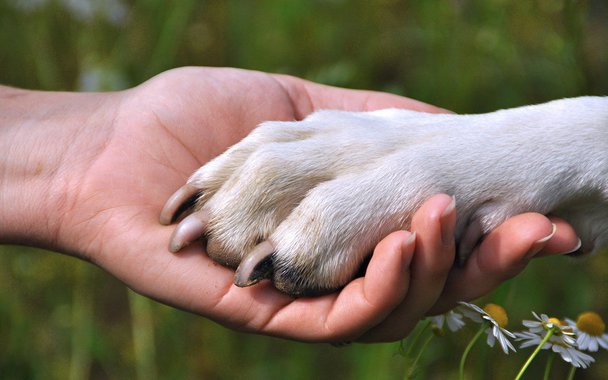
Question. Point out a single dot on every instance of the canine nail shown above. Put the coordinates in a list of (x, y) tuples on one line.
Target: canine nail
[(256, 265), (188, 230), (183, 198)]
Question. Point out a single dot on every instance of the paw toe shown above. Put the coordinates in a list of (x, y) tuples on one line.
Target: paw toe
[(180, 201), (189, 230)]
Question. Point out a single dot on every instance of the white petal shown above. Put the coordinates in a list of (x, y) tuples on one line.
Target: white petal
[(437, 320), (454, 321), (568, 340), (506, 345), (573, 356), (528, 323), (593, 346), (491, 339), (507, 333)]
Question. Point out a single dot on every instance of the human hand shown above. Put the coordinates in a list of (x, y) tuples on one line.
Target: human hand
[(116, 157)]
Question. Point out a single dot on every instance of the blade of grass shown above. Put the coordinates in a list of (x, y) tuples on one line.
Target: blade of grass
[(143, 336), (173, 27), (82, 317)]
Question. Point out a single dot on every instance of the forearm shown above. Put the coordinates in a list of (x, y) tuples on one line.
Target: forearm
[(24, 166), (39, 135)]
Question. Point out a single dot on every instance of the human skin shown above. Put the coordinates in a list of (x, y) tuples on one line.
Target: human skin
[(87, 174)]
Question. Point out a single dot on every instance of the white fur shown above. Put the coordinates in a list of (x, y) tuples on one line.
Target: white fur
[(326, 189)]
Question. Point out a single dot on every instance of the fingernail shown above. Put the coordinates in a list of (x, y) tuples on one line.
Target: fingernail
[(448, 223), (578, 246), (538, 245), (405, 246), (409, 240)]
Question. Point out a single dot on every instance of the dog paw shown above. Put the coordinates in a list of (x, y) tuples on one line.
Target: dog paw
[(304, 203)]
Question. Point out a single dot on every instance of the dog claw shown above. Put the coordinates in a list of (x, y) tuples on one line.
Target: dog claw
[(188, 230), (256, 265), (183, 198)]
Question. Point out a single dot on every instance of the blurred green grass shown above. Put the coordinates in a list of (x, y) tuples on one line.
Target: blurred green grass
[(61, 318)]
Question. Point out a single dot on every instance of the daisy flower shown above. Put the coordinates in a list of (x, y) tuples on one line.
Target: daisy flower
[(493, 319), (563, 333), (496, 318), (568, 353), (452, 319), (551, 333), (590, 331)]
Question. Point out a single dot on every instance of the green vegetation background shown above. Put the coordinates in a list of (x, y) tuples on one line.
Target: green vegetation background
[(61, 318)]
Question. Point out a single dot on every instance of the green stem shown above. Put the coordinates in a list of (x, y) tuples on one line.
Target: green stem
[(571, 373), (533, 355), (548, 366), (410, 345), (465, 354), (410, 372)]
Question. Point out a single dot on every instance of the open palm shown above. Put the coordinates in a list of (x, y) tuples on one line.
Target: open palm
[(163, 130)]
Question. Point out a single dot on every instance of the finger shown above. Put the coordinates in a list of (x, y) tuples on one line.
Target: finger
[(363, 303), (563, 242), (309, 96), (434, 226), (503, 254)]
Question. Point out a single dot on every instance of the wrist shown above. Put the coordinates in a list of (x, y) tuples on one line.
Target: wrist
[(40, 135)]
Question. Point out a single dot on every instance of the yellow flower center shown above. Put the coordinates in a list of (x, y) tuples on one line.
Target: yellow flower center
[(556, 321), (564, 328), (591, 323), (498, 313)]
